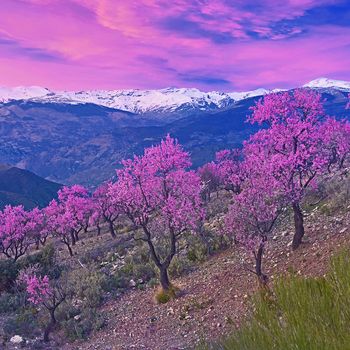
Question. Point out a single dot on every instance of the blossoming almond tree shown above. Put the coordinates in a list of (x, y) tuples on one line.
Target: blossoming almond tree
[(335, 136), (210, 180), (66, 217), (228, 163), (161, 198), (17, 230), (292, 143), (105, 208), (45, 293), (255, 209)]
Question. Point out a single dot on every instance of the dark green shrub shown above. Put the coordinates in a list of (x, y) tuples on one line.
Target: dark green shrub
[(9, 302), (179, 266), (81, 326), (8, 273), (25, 323), (88, 286)]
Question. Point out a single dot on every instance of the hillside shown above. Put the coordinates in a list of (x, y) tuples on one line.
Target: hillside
[(18, 186), (217, 294)]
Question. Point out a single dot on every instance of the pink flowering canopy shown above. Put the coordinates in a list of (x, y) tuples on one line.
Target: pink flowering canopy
[(67, 216), (105, 209), (335, 135), (228, 164), (292, 142), (18, 230), (38, 288), (158, 182), (160, 196)]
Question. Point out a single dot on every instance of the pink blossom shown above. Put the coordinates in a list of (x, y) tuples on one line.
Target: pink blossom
[(38, 288)]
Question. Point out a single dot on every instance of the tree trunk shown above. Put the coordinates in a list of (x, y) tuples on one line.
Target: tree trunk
[(73, 237), (299, 226), (164, 278), (98, 229), (69, 247), (50, 326), (258, 266), (111, 228)]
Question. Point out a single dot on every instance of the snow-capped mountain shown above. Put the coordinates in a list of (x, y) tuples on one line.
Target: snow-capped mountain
[(169, 100), (23, 93), (135, 101), (329, 83)]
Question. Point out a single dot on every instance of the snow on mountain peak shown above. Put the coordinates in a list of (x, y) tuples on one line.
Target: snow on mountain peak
[(170, 99), (22, 93), (328, 83)]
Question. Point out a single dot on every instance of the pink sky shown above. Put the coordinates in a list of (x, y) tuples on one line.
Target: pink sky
[(209, 44)]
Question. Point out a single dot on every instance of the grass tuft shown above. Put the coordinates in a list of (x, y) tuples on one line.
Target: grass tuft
[(304, 314), (163, 296)]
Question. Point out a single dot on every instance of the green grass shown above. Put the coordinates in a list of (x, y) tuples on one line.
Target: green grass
[(302, 314)]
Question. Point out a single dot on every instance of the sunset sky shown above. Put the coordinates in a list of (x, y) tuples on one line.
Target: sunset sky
[(209, 44)]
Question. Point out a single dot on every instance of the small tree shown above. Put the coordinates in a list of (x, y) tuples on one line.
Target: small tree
[(45, 293), (105, 207), (210, 180), (335, 136), (66, 217), (254, 211), (160, 197), (228, 163), (17, 230), (38, 226)]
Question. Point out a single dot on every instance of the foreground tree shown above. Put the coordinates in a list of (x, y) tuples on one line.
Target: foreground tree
[(292, 143), (161, 197)]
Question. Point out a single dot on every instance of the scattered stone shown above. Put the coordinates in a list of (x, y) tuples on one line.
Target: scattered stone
[(132, 283), (16, 339)]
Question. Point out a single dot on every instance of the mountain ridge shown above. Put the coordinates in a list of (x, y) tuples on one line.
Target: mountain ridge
[(85, 142), (138, 101)]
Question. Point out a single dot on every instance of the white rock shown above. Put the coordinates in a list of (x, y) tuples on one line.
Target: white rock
[(16, 339), (132, 283)]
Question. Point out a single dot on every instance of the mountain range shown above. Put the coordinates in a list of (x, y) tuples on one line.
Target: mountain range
[(80, 137)]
